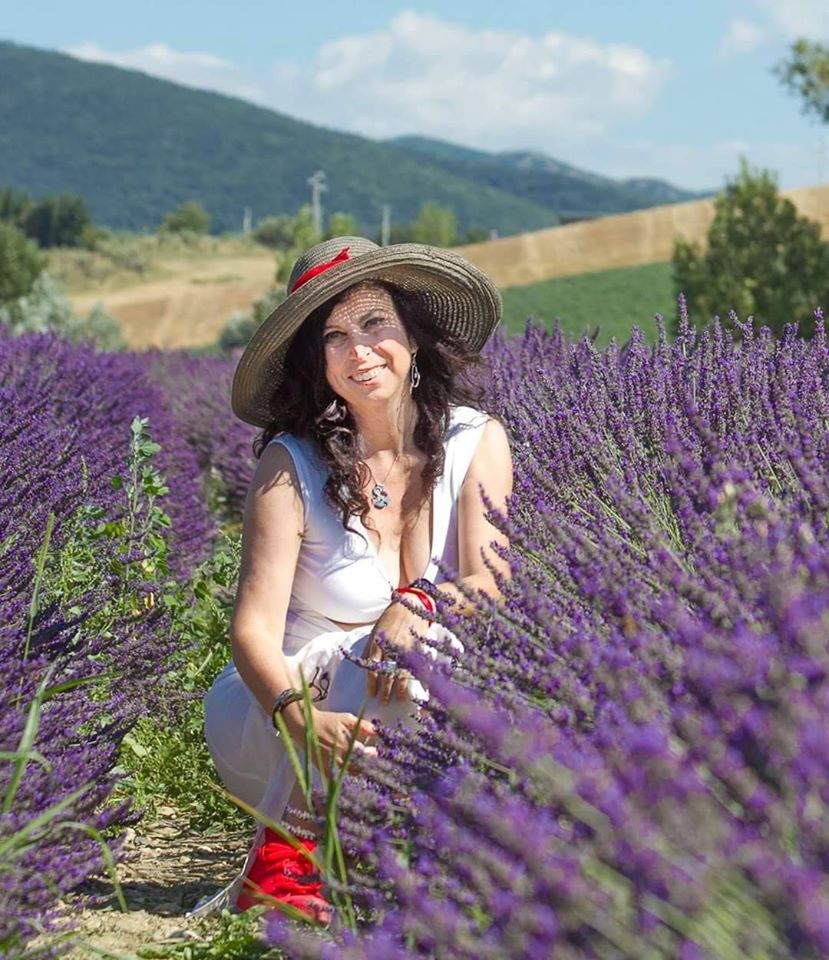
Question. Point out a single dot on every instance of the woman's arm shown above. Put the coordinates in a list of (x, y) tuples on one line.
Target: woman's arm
[(491, 468), (271, 537)]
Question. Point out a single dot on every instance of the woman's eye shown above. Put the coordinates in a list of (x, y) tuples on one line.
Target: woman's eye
[(330, 336), (373, 321)]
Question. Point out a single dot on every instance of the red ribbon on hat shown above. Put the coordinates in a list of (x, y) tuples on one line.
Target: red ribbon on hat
[(319, 268)]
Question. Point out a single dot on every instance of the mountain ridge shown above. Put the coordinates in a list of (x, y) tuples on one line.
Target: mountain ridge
[(136, 146)]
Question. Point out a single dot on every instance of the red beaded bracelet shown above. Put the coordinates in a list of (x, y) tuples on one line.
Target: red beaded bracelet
[(428, 603)]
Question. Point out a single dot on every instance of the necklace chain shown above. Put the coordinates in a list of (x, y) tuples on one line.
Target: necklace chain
[(379, 495)]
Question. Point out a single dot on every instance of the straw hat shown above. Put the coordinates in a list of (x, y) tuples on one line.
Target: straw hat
[(457, 297)]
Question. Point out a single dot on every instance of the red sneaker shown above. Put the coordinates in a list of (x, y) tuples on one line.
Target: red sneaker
[(280, 872)]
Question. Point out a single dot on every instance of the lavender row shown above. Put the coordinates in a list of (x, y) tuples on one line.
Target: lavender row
[(83, 647), (632, 756)]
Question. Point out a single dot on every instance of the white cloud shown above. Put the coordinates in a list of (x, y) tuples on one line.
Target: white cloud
[(424, 74), (742, 36), (798, 18), (487, 88), (565, 95), (191, 68)]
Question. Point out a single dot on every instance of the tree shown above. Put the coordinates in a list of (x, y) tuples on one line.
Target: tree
[(289, 234), (341, 225), (762, 260), (435, 225), (57, 221), (476, 235), (14, 205), (275, 232), (188, 217), (806, 74), (304, 236), (21, 263)]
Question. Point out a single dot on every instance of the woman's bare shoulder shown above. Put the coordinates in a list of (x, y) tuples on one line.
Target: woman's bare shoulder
[(276, 486)]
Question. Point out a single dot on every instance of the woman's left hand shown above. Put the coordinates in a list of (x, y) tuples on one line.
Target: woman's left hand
[(396, 624)]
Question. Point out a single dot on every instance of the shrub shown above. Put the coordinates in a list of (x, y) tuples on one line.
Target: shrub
[(435, 225), (85, 634), (341, 225), (196, 392), (14, 205), (762, 259), (58, 221), (631, 757), (276, 232), (46, 308), (20, 264), (241, 326), (189, 217)]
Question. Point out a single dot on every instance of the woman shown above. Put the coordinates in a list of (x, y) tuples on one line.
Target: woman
[(371, 464)]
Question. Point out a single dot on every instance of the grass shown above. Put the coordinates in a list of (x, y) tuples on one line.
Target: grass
[(613, 300)]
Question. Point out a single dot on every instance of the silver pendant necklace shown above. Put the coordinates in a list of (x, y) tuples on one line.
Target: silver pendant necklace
[(379, 495)]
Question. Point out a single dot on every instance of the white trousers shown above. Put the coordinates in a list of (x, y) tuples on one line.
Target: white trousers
[(248, 753)]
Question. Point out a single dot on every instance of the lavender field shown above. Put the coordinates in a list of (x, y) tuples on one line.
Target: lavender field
[(631, 758)]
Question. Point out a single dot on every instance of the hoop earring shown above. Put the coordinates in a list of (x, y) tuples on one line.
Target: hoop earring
[(414, 374)]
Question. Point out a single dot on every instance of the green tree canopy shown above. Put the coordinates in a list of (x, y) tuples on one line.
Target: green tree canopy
[(20, 264), (14, 205), (275, 232), (188, 217), (762, 258), (341, 225), (435, 225), (805, 73), (61, 220), (304, 235)]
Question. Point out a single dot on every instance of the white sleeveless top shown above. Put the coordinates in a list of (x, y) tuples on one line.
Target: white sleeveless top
[(339, 576)]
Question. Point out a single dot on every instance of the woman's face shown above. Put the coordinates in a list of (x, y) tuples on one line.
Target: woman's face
[(367, 350)]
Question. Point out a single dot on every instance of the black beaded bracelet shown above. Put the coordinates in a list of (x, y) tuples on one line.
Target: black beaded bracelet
[(426, 586), (283, 700)]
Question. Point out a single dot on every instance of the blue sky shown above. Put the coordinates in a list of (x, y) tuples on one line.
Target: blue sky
[(634, 88)]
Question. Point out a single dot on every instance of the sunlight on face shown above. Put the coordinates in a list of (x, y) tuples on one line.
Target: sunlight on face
[(367, 349)]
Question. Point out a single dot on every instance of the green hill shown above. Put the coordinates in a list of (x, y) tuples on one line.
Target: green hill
[(135, 147), (543, 180)]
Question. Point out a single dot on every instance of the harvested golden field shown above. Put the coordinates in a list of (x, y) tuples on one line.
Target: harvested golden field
[(190, 305), (191, 301), (625, 240)]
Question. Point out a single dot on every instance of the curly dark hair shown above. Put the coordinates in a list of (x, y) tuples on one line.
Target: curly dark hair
[(304, 405)]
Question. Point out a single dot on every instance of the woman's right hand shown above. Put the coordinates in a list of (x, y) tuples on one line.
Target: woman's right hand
[(334, 732)]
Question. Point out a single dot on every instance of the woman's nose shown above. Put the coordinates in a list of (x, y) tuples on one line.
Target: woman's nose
[(358, 348)]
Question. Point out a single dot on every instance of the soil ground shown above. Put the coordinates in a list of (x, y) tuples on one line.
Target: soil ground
[(169, 868)]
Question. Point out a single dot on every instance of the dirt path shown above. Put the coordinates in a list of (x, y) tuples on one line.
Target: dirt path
[(171, 869), (188, 308)]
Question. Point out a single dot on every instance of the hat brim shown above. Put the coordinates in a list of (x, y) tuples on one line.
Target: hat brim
[(459, 298)]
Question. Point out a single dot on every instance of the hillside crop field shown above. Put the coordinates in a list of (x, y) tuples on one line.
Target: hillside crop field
[(614, 301), (629, 758), (172, 296)]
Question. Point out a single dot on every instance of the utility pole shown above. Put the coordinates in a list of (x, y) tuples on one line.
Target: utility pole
[(317, 185), (385, 226)]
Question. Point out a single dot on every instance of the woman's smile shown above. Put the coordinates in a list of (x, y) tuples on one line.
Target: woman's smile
[(366, 377), (367, 350)]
